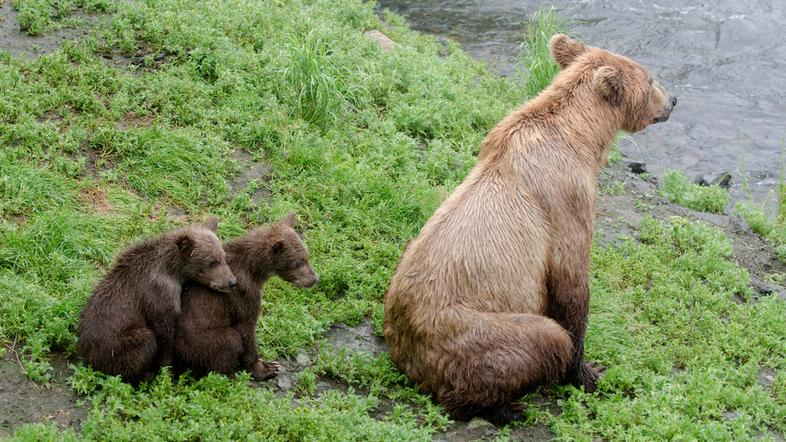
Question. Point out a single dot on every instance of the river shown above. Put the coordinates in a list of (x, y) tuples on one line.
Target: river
[(725, 61)]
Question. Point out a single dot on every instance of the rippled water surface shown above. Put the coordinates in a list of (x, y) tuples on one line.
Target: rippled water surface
[(725, 61)]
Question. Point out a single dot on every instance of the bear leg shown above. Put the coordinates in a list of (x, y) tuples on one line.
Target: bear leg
[(499, 358)]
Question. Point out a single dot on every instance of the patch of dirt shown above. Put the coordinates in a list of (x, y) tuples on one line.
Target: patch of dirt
[(620, 213), (251, 171), (23, 402), (143, 60), (132, 121), (96, 198), (20, 44), (356, 339)]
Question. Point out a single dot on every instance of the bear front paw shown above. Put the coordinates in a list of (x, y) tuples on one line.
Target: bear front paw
[(265, 370)]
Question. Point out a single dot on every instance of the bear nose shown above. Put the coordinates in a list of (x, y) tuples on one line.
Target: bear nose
[(232, 282), (673, 101)]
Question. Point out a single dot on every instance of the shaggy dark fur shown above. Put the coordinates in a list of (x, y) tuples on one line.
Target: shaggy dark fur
[(127, 327), (217, 331)]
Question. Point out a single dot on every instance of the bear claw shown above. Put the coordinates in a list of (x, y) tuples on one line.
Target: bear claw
[(265, 370)]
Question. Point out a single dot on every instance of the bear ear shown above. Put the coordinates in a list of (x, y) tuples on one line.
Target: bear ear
[(609, 83), (565, 50), (289, 220), (212, 224), (184, 244), (278, 247)]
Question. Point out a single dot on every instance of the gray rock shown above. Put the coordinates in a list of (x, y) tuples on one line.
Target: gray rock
[(385, 43)]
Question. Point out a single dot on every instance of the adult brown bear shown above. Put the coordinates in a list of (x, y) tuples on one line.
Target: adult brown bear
[(492, 298)]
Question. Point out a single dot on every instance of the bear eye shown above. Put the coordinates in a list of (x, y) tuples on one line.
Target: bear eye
[(652, 80), (214, 263)]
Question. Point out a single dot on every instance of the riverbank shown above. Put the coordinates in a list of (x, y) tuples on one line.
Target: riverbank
[(160, 117)]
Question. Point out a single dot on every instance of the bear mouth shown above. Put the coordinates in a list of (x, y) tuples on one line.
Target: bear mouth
[(221, 288)]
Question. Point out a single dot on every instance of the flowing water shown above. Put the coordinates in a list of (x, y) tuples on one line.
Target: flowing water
[(724, 59)]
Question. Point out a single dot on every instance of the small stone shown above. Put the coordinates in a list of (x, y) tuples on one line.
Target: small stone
[(385, 43), (323, 386), (729, 415), (479, 423), (284, 382), (701, 180), (303, 359), (637, 168)]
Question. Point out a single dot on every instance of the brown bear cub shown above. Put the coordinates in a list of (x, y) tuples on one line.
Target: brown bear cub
[(127, 327), (217, 331), (491, 299)]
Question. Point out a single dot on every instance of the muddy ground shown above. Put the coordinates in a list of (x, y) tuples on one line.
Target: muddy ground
[(22, 45)]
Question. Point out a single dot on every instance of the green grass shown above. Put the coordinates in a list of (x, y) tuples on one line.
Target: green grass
[(679, 190), (535, 59), (364, 145)]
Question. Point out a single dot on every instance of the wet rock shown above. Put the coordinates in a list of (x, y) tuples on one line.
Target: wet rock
[(722, 180), (637, 168), (385, 43), (763, 288), (356, 339), (701, 180)]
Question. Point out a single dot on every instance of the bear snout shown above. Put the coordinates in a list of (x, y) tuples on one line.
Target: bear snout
[(224, 286), (309, 280), (665, 113)]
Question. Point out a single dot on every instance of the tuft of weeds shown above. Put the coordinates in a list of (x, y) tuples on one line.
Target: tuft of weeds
[(316, 98), (535, 57), (770, 226), (679, 190)]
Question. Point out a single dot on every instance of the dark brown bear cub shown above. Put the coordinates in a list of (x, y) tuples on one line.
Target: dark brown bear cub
[(127, 327), (217, 331)]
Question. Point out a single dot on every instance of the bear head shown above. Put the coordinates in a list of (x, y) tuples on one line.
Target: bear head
[(202, 258), (289, 254), (619, 81)]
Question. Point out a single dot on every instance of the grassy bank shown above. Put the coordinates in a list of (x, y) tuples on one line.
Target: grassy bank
[(176, 110)]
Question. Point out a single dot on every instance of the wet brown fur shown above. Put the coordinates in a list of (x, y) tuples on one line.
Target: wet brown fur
[(217, 331), (127, 327), (491, 299)]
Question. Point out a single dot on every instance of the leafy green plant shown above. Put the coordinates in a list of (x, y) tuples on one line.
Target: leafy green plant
[(535, 57), (679, 190)]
